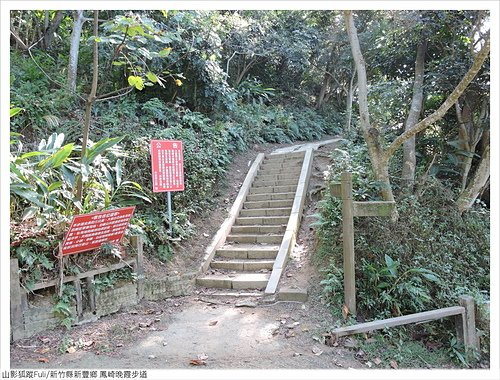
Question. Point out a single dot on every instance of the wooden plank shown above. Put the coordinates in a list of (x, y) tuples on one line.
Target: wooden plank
[(471, 340), (425, 316), (92, 273), (348, 242), (336, 189), (375, 208)]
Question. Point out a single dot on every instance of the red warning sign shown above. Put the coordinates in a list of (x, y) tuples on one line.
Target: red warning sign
[(167, 163), (90, 231)]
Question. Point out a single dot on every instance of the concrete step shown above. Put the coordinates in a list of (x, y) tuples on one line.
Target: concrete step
[(286, 155), (275, 172), (275, 177), (270, 196), (268, 239), (282, 211), (278, 182), (268, 204), (242, 265), (265, 220), (278, 229), (248, 251), (238, 281), (273, 189), (292, 165)]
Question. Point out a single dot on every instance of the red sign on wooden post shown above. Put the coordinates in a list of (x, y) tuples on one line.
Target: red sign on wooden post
[(167, 165), (90, 231)]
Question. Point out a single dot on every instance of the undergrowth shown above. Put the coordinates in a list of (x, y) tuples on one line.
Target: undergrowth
[(424, 261)]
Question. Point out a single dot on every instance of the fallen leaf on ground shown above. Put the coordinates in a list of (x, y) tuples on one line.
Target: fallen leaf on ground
[(71, 350), (377, 361), (289, 334), (393, 364), (197, 362), (42, 350), (316, 351), (212, 323), (43, 360), (44, 339)]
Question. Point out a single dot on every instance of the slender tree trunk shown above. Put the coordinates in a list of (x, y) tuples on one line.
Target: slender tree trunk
[(379, 157), (350, 94), (90, 101), (371, 133), (447, 104), (51, 28), (409, 157), (74, 49), (322, 92), (479, 180)]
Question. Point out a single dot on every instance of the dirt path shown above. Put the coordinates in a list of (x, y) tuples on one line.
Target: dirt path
[(174, 332), (214, 332)]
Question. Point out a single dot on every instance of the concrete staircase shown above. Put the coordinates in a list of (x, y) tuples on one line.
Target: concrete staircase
[(246, 257)]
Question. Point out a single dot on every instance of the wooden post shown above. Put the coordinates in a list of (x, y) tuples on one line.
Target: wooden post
[(16, 309), (79, 301), (471, 341), (137, 243), (348, 242), (91, 293)]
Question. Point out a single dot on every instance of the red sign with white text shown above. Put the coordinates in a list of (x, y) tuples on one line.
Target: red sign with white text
[(90, 231), (167, 163)]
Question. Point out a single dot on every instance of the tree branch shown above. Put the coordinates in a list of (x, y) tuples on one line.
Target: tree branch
[(447, 104), (114, 94)]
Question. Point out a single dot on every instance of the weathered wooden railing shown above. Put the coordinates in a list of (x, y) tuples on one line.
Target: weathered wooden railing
[(465, 322), (464, 314)]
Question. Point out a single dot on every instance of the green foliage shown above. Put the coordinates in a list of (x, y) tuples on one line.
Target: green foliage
[(109, 280), (62, 307), (425, 261)]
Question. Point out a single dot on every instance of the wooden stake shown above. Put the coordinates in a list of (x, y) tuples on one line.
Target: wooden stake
[(61, 270), (348, 242)]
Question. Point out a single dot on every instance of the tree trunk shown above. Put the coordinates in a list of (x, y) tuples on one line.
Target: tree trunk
[(468, 196), (378, 157), (447, 104), (371, 133), (90, 101), (322, 92), (51, 28), (350, 95), (74, 49), (409, 157)]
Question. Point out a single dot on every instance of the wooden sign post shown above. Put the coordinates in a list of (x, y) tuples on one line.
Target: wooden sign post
[(350, 209)]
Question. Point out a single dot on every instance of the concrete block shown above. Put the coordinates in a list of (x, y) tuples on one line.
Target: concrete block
[(290, 294), (214, 282), (258, 265), (250, 281)]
